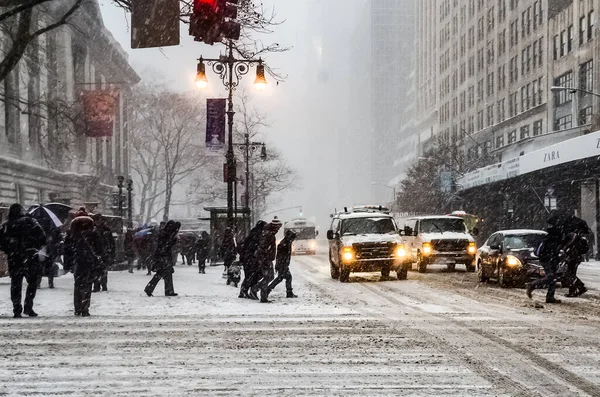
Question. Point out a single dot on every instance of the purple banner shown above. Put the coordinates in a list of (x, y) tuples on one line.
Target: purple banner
[(215, 123)]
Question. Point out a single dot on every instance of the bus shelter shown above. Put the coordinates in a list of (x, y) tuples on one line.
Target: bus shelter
[(218, 221)]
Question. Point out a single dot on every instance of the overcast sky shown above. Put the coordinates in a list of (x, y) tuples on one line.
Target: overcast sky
[(312, 152)]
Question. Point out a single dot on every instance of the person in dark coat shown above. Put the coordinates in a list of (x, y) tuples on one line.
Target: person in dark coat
[(107, 252), (574, 231), (54, 245), (228, 249), (163, 259), (282, 264), (187, 247), (83, 258), (129, 249), (248, 259), (202, 251), (21, 237), (548, 252), (265, 256)]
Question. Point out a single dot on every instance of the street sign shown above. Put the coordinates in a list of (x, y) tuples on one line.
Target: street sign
[(154, 23)]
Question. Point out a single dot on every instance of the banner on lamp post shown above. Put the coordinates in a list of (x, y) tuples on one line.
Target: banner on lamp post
[(215, 124), (100, 109)]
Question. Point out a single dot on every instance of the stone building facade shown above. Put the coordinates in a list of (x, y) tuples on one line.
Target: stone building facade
[(44, 152)]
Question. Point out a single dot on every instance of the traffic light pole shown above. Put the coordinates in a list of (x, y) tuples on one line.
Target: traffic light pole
[(231, 71)]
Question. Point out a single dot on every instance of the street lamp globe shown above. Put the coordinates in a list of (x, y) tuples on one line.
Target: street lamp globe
[(260, 82), (201, 80)]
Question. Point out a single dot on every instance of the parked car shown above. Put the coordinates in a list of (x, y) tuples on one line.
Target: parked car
[(439, 239), (508, 256)]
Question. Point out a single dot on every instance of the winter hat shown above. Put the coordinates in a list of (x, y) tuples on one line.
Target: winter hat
[(276, 223), (81, 212)]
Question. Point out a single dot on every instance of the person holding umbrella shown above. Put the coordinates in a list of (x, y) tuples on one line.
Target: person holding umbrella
[(21, 237), (50, 217), (163, 259)]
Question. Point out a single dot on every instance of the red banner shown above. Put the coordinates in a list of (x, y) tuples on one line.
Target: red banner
[(100, 109)]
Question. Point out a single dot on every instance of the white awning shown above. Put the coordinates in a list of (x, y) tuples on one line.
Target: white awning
[(579, 148)]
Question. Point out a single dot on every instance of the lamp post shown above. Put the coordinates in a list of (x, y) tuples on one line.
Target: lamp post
[(129, 203), (120, 180), (230, 70), (572, 90), (393, 188), (248, 148)]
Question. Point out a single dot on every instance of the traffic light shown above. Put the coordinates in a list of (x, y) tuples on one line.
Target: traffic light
[(213, 20), (230, 29)]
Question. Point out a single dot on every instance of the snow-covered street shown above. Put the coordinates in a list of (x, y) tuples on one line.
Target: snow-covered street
[(437, 334)]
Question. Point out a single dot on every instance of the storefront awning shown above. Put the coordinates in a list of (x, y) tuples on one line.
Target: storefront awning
[(579, 148)]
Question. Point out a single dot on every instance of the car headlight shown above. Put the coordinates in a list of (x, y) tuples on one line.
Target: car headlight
[(427, 249), (348, 254), (313, 245), (400, 251), (513, 261), (472, 249)]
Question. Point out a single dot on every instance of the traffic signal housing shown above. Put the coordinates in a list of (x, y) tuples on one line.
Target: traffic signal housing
[(213, 20)]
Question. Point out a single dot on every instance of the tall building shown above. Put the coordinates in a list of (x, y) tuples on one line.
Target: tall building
[(45, 154), (393, 39), (512, 85), (337, 100)]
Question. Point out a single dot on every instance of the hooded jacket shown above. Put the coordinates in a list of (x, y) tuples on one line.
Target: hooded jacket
[(20, 237), (284, 251)]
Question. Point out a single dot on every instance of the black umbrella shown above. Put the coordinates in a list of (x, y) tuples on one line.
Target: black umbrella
[(60, 210), (45, 217)]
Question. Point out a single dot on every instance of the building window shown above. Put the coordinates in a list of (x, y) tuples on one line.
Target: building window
[(582, 30), (570, 39), (512, 136), (590, 28), (537, 127), (556, 47), (524, 132), (480, 120), (501, 110), (564, 123), (586, 76), (490, 115), (499, 141), (564, 96), (585, 116), (563, 43), (487, 147)]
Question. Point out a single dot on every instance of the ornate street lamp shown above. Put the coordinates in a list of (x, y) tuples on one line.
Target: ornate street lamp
[(230, 70)]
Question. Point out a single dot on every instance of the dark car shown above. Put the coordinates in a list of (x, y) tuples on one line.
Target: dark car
[(508, 256)]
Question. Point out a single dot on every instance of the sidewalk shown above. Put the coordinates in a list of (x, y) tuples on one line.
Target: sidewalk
[(199, 294)]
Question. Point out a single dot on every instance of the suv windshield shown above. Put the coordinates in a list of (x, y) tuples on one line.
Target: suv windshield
[(441, 225), (523, 241), (368, 226)]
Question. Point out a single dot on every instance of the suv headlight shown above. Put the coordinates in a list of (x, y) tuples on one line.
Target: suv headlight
[(513, 261), (427, 249), (400, 251), (472, 249), (348, 254)]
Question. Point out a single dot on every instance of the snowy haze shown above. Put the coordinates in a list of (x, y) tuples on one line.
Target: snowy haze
[(320, 115)]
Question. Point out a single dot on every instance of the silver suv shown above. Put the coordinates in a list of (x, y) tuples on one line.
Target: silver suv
[(366, 240)]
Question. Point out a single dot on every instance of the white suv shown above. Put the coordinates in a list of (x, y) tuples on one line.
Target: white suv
[(366, 240), (439, 239)]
